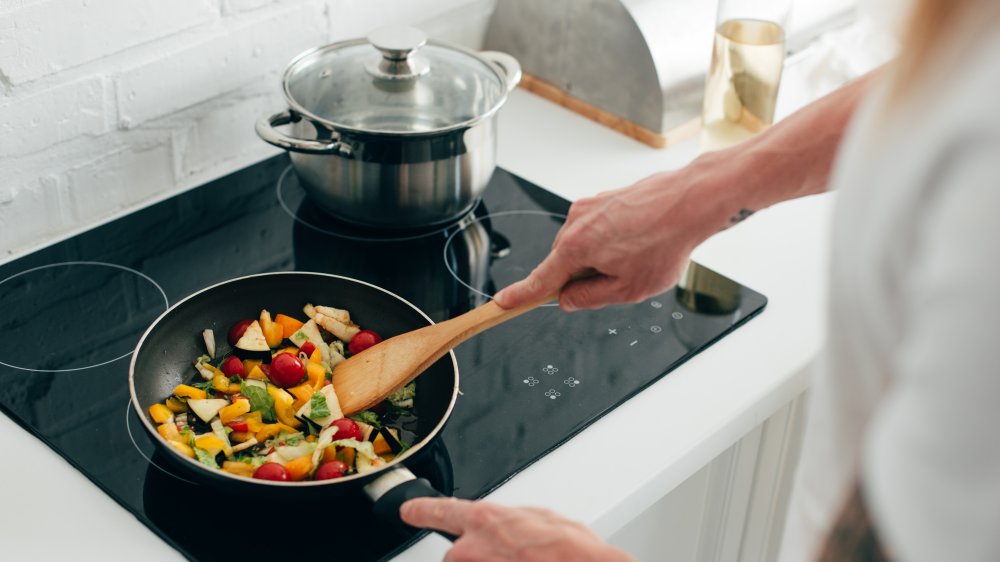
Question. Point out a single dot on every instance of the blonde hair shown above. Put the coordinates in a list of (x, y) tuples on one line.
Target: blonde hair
[(931, 23)]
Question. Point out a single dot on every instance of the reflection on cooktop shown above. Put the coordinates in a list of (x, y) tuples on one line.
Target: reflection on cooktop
[(527, 385)]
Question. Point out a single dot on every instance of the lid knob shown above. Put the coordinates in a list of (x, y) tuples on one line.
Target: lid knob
[(398, 45)]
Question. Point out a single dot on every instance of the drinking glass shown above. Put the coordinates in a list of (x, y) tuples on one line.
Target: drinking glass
[(747, 60)]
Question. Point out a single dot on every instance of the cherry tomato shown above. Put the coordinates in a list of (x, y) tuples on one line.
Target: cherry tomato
[(308, 348), (271, 471), (362, 341), (346, 429), (236, 332), (239, 426), (287, 370), (233, 367), (330, 470)]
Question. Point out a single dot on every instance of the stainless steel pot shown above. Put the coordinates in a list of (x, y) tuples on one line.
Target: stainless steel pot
[(393, 131)]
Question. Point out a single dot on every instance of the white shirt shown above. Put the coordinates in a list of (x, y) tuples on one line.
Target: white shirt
[(907, 399)]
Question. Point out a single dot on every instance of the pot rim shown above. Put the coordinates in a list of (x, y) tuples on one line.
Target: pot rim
[(200, 468), (310, 54)]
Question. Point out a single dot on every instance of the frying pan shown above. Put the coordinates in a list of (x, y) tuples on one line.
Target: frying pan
[(163, 359)]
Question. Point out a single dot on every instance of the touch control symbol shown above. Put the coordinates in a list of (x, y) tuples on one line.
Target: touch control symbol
[(553, 393), (656, 304), (612, 331), (655, 329), (550, 370), (571, 382), (531, 381), (677, 315)]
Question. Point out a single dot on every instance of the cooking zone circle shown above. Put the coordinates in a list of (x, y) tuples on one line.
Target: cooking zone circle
[(72, 316), (291, 195), (131, 436), (519, 241)]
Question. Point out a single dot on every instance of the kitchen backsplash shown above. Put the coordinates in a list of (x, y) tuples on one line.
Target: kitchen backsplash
[(106, 105)]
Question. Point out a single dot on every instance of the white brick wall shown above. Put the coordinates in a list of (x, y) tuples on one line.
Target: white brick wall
[(107, 105)]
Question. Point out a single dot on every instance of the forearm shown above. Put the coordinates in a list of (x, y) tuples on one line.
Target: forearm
[(789, 160)]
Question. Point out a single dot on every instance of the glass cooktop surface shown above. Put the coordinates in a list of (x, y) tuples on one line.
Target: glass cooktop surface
[(526, 386)]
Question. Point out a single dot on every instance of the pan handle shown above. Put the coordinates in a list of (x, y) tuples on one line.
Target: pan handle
[(394, 488), (265, 128)]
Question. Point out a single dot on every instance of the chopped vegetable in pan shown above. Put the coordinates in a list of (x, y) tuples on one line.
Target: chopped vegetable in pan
[(267, 408)]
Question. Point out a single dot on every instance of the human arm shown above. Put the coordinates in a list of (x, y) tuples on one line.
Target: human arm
[(639, 238), (491, 532)]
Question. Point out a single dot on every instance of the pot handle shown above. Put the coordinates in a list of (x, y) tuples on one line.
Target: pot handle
[(508, 65), (265, 128), (394, 488)]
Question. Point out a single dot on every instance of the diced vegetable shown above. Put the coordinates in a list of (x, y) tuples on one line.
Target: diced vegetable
[(185, 391), (238, 408), (253, 344), (205, 457), (238, 329), (168, 431), (286, 370), (175, 405), (210, 443), (283, 406), (342, 331), (238, 468), (273, 333), (362, 341), (302, 394), (299, 468), (316, 375), (323, 408), (272, 471), (160, 413), (207, 408), (245, 445), (289, 325), (182, 448), (209, 336), (220, 431)]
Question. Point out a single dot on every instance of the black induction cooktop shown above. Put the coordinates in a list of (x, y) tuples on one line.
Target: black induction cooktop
[(526, 386)]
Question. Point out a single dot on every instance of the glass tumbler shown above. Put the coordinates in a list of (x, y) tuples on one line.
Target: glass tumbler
[(747, 61)]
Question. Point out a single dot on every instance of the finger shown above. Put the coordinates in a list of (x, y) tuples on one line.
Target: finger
[(547, 278), (591, 293), (443, 514)]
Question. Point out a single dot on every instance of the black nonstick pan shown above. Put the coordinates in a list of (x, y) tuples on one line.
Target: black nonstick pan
[(163, 359)]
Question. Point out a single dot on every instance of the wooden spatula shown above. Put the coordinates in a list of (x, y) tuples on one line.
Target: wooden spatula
[(367, 378)]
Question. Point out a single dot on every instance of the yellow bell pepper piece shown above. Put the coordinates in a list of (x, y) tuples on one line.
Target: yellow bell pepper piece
[(186, 391), (221, 383), (289, 325), (316, 357), (283, 402), (176, 405), (184, 449), (311, 438), (303, 393), (299, 468), (254, 422), (316, 374), (256, 374), (160, 413), (270, 430), (169, 432), (234, 410), (241, 436), (238, 468), (381, 446), (210, 443), (273, 333)]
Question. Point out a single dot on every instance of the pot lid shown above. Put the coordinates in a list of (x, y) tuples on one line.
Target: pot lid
[(396, 81)]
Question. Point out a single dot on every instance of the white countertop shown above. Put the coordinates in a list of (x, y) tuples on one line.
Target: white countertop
[(50, 510)]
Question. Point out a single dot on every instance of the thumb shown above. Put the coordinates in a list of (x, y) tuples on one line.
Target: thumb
[(591, 292), (547, 278)]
